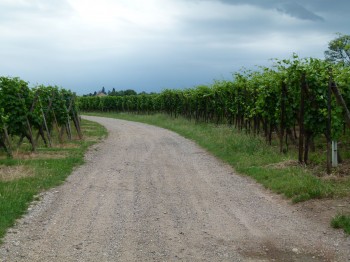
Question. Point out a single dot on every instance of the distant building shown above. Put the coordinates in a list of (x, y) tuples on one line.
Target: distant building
[(100, 94)]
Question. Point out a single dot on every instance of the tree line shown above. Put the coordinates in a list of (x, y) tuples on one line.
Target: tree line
[(114, 92)]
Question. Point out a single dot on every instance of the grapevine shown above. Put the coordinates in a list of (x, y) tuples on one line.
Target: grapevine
[(289, 100), (29, 114)]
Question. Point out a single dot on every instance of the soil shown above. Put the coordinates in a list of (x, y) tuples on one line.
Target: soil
[(147, 194)]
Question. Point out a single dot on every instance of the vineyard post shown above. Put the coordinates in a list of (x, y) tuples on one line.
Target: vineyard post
[(283, 112), (30, 134), (301, 117), (35, 100), (77, 123), (42, 126), (60, 135), (341, 102), (8, 141), (46, 127), (45, 122), (69, 130), (334, 153), (29, 126), (307, 133), (329, 124), (60, 138), (3, 144)]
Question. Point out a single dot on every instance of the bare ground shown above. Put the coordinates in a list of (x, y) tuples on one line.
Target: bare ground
[(147, 194)]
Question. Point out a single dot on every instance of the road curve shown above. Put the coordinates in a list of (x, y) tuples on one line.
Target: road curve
[(147, 194)]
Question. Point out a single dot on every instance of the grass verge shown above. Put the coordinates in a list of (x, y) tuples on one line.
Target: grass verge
[(341, 221), (250, 156), (48, 167)]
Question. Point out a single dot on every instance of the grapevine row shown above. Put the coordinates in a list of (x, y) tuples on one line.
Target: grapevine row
[(33, 113), (290, 100)]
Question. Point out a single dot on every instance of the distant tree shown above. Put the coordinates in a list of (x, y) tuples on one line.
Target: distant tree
[(95, 93), (112, 93), (129, 92), (339, 50), (103, 90)]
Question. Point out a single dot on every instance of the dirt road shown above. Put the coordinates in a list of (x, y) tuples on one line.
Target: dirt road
[(147, 194)]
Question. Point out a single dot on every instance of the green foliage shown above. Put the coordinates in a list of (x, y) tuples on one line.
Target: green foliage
[(339, 50), (22, 109), (16, 99), (341, 221), (53, 101)]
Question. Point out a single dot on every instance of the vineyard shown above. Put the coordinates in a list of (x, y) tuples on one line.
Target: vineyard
[(295, 102), (36, 113)]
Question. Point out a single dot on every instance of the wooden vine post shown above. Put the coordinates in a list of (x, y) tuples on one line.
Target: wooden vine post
[(329, 125), (5, 141), (8, 141), (45, 123), (301, 118), (60, 136), (283, 114), (31, 138), (76, 121), (69, 130), (341, 102)]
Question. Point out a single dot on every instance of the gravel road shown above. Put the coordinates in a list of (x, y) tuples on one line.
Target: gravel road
[(147, 194)]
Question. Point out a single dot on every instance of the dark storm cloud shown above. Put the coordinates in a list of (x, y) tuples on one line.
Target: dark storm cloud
[(298, 11), (292, 8)]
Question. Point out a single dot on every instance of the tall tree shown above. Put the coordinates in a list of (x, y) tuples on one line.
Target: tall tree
[(339, 50)]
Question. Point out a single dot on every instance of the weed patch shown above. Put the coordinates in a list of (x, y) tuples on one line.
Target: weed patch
[(342, 221)]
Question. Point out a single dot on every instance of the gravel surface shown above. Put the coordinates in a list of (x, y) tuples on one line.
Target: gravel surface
[(147, 194)]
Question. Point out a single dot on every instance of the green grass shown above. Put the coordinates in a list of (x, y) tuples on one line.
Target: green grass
[(250, 156), (341, 221), (16, 195)]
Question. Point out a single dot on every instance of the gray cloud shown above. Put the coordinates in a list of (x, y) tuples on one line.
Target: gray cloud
[(175, 43), (296, 10), (291, 8)]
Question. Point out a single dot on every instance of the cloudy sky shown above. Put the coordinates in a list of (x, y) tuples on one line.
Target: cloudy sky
[(150, 45)]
